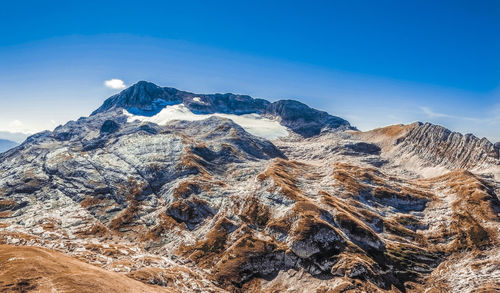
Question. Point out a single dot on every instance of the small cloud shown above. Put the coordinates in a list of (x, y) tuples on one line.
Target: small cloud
[(16, 124), (114, 83), (433, 114)]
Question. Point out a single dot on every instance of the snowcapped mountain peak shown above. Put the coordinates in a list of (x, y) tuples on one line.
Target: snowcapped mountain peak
[(147, 99), (144, 96)]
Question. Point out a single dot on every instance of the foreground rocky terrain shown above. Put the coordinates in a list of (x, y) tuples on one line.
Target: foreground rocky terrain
[(245, 195)]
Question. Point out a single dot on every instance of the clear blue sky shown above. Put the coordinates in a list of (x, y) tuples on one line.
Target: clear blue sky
[(371, 62)]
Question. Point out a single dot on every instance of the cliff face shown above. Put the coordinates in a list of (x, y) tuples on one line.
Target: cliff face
[(204, 205)]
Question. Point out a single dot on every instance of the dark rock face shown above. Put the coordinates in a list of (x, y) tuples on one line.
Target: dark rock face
[(224, 103), (363, 148), (321, 240), (143, 97), (191, 211), (147, 99), (302, 119), (109, 126)]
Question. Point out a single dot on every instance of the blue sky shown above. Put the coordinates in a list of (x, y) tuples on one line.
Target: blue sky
[(374, 63)]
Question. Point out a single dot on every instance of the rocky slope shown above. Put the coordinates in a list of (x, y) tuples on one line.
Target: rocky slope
[(204, 205), (422, 146)]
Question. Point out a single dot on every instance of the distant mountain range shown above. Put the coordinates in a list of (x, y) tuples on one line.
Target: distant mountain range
[(170, 191), (17, 137), (6, 145)]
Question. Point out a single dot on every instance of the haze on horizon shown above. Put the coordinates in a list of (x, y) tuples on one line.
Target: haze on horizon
[(372, 63)]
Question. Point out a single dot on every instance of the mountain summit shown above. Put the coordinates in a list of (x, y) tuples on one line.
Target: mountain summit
[(147, 99), (170, 191)]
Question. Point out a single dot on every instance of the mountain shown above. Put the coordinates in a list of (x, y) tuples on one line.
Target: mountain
[(6, 145), (423, 146), (172, 191), (16, 137), (148, 99)]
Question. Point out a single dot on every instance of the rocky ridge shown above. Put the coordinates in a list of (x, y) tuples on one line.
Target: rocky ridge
[(422, 146), (146, 98)]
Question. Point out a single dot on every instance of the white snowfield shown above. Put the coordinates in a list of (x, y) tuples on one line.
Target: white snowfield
[(253, 123)]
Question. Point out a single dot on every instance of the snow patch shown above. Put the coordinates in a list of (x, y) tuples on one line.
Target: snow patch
[(253, 123)]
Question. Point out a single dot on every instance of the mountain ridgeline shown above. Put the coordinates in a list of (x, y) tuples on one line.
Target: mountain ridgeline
[(148, 99)]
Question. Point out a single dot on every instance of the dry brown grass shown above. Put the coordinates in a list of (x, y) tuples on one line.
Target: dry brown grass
[(285, 176), (205, 252), (6, 207), (356, 179), (185, 188), (7, 204), (474, 204), (94, 230), (255, 213), (245, 250), (170, 277), (194, 163), (111, 250), (360, 180), (126, 216), (165, 224), (37, 269), (24, 239), (385, 136), (491, 287), (90, 202), (6, 214), (394, 131), (202, 183)]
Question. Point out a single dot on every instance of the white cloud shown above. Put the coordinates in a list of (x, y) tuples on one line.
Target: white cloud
[(433, 114), (27, 127), (114, 83), (16, 124)]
